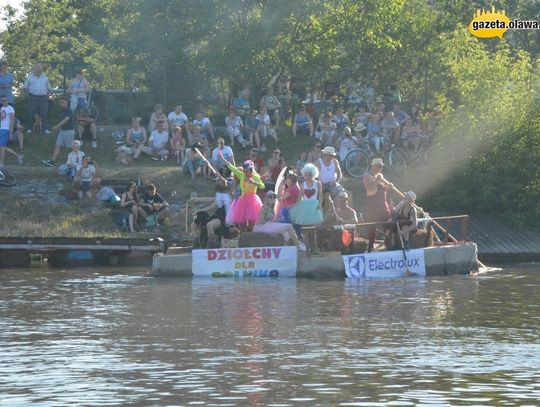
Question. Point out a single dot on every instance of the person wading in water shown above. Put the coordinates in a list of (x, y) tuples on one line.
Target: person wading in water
[(377, 209)]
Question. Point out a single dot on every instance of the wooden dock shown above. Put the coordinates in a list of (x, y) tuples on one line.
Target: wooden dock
[(17, 251), (498, 242)]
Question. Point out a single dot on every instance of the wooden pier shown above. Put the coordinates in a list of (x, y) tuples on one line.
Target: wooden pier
[(16, 251), (497, 242)]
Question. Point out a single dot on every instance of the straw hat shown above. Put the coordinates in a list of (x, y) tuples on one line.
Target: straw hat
[(329, 150), (410, 195), (377, 161)]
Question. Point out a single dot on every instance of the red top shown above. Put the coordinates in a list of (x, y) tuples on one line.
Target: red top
[(293, 191)]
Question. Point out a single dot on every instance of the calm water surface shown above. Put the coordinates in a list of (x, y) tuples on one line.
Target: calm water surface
[(114, 337)]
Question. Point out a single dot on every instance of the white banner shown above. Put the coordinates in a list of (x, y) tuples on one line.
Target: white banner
[(385, 264), (245, 262)]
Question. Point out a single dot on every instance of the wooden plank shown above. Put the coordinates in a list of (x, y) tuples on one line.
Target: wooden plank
[(51, 247)]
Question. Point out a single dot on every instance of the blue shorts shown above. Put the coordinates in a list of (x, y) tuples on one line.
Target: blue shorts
[(4, 136)]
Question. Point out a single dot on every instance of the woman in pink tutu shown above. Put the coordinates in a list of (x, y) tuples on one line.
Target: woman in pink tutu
[(245, 210), (267, 223)]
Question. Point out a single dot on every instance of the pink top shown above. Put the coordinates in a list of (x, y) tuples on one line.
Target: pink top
[(293, 191)]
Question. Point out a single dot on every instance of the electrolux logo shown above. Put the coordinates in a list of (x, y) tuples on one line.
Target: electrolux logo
[(357, 266)]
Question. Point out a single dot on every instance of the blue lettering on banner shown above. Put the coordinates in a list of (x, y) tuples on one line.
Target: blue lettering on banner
[(385, 264), (357, 265)]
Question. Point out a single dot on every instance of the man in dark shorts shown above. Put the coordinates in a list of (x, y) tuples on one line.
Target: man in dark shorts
[(87, 122), (152, 203)]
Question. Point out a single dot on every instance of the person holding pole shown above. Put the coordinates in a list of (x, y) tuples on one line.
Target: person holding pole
[(377, 209), (406, 218)]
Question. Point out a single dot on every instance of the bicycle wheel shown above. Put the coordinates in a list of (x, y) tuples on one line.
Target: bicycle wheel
[(7, 179), (397, 161), (356, 163)]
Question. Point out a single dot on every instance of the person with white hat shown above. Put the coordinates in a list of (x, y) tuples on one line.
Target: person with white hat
[(329, 171), (377, 209), (406, 217), (343, 210)]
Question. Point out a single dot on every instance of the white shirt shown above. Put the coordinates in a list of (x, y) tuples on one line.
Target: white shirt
[(177, 119), (158, 140), (37, 85), (205, 121), (235, 122), (5, 116), (346, 145), (87, 173), (226, 151), (327, 173), (263, 120), (74, 159)]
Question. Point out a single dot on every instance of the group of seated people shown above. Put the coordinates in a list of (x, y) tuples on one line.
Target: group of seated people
[(140, 208), (383, 125), (310, 197)]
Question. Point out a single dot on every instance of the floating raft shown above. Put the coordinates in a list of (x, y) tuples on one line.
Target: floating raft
[(440, 261)]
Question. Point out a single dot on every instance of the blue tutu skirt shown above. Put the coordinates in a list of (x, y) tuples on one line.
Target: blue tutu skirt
[(306, 213)]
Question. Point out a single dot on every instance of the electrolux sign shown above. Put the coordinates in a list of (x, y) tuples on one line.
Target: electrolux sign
[(385, 264)]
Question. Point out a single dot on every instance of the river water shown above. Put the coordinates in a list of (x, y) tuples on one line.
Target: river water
[(114, 337)]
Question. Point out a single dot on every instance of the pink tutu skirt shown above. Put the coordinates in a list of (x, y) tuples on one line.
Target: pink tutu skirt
[(246, 208)]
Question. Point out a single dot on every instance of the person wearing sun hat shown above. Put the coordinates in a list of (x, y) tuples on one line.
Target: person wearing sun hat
[(377, 209), (245, 209), (329, 172), (407, 217)]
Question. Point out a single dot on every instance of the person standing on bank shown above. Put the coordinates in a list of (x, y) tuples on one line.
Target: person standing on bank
[(66, 133), (38, 89), (78, 89), (6, 82), (377, 209)]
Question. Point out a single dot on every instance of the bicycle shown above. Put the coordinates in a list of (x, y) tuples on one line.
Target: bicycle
[(358, 161), (7, 179), (398, 158)]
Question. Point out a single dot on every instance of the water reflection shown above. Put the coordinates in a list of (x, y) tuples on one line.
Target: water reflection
[(103, 338)]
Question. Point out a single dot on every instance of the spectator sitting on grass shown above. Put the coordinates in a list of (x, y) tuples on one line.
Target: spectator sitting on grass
[(390, 126), (129, 203), (178, 145), (272, 104), (176, 118), (399, 113), (328, 131), (263, 125), (156, 116), (156, 144), (233, 124), (152, 203), (18, 137), (276, 163), (374, 131), (241, 103), (251, 128), (302, 123), (316, 153), (361, 116), (136, 135), (341, 119), (193, 161), (254, 156), (87, 122), (85, 177), (74, 158), (227, 154), (302, 160), (410, 135), (66, 134), (346, 143), (205, 124)]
